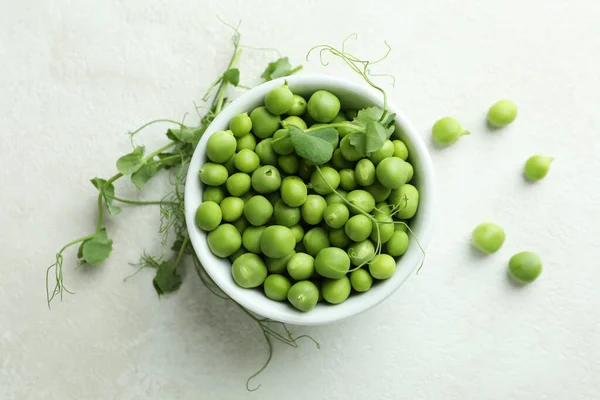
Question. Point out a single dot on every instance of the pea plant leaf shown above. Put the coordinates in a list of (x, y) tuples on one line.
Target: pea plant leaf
[(96, 249), (279, 69), (312, 148), (108, 193), (143, 175), (359, 142), (328, 134), (232, 75), (185, 134), (167, 279), (131, 162), (375, 137)]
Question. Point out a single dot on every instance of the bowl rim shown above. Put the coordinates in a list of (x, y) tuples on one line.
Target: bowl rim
[(193, 188)]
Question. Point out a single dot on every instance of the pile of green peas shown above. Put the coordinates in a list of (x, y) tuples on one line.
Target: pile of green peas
[(301, 234)]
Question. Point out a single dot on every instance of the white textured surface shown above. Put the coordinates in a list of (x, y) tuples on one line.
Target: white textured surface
[(76, 75)]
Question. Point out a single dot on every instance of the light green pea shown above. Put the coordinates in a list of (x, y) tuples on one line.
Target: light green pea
[(361, 280), (336, 291), (525, 267), (249, 271), (502, 113), (537, 167)]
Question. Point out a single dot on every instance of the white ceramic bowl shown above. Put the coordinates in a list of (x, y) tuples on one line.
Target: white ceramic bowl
[(351, 96)]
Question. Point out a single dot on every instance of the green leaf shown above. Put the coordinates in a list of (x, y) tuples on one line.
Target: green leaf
[(99, 183), (166, 279), (131, 162), (232, 76), (358, 140), (143, 175), (278, 69), (312, 148), (366, 115), (97, 249), (375, 137), (186, 134), (328, 134), (112, 210)]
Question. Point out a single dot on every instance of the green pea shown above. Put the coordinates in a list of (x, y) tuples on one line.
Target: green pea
[(537, 167), (361, 280), (488, 237), (386, 228), (387, 150), (273, 198), (251, 238), (303, 295), (336, 291), (208, 216), (407, 199), (213, 193), (347, 179), (398, 244), (361, 199), (277, 241), (382, 208), (332, 262), (230, 166), (400, 149), (224, 240), (335, 198), (246, 142), (266, 179), (249, 271), (288, 164), (361, 252), (240, 125), (279, 100), (247, 196), (351, 114), (392, 172), (502, 113), (411, 172), (232, 208), (365, 172), (295, 121), (524, 267), (237, 254), (264, 124), (246, 161), (265, 152), (379, 192), (336, 215), (323, 106), (358, 228), (342, 131), (447, 130), (338, 238), (400, 226), (258, 210), (348, 151), (220, 146), (213, 174), (327, 182), (281, 142), (313, 208), (276, 287), (241, 224), (238, 184), (298, 232), (301, 266), (305, 169), (382, 266), (315, 240), (293, 191), (339, 162), (278, 265), (286, 215), (298, 106)]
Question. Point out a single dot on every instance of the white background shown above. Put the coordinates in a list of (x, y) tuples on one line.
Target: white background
[(75, 76)]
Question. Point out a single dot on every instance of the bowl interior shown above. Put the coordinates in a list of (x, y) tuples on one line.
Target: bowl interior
[(351, 96)]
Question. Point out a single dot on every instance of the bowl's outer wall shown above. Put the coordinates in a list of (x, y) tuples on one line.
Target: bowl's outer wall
[(351, 96)]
